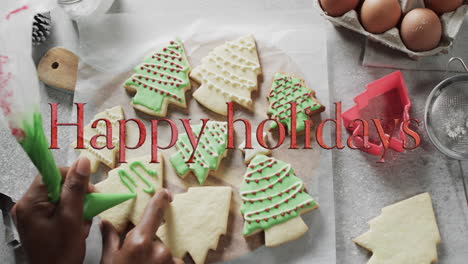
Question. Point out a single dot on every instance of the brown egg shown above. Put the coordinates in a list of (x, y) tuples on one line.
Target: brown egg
[(337, 8), (421, 29), (443, 6), (378, 16)]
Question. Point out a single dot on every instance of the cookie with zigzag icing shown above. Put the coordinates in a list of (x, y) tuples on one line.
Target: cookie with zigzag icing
[(286, 89), (161, 79)]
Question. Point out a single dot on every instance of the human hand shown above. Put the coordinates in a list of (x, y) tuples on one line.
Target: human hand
[(55, 232), (139, 245)]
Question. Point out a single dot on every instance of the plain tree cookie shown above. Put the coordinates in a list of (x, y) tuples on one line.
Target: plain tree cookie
[(195, 220), (405, 233)]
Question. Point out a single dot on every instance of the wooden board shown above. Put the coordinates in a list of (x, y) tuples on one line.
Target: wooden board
[(58, 68)]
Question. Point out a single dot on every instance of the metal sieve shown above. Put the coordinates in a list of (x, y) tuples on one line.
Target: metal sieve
[(446, 115)]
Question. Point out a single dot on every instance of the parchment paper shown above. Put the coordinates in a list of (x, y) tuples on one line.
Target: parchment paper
[(113, 44)]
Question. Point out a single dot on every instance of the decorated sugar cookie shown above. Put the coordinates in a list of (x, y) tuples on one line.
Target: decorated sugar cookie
[(105, 155), (257, 149), (272, 197), (405, 233), (209, 153), (137, 176), (195, 220), (161, 79), (286, 89), (228, 74)]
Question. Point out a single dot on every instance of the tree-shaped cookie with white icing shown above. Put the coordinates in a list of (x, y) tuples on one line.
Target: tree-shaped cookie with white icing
[(286, 89), (138, 176), (195, 220), (405, 233), (161, 79), (228, 74), (273, 199), (210, 151), (256, 149), (105, 155)]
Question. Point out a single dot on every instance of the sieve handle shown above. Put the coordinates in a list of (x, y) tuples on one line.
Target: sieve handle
[(459, 60)]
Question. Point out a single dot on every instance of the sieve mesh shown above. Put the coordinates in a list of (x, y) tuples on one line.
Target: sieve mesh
[(447, 116)]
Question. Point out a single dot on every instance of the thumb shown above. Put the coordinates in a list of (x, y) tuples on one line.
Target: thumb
[(110, 241)]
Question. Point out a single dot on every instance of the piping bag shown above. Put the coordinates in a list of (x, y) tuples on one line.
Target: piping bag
[(20, 101)]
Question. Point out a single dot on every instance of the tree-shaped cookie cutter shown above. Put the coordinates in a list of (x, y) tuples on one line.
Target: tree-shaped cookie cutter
[(393, 81)]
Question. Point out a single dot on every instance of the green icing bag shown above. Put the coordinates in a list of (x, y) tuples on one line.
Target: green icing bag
[(36, 146), (95, 203)]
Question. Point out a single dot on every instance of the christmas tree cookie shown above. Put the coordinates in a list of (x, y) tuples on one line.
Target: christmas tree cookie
[(286, 89), (161, 79), (228, 74), (105, 155), (273, 200), (256, 149), (138, 176), (195, 220), (210, 151), (405, 233)]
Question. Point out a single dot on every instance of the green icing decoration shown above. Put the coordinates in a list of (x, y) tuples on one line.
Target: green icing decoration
[(271, 194), (130, 182), (209, 152), (36, 146), (284, 90), (163, 75)]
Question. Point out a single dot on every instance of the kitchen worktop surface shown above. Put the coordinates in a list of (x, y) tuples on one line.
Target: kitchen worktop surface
[(362, 186)]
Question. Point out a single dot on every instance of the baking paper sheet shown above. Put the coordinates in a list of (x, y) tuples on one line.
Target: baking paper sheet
[(112, 45)]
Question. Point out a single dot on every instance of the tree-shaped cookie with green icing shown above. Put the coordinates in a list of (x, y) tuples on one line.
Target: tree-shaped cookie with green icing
[(210, 151), (162, 78), (138, 176), (405, 233), (286, 89), (273, 199)]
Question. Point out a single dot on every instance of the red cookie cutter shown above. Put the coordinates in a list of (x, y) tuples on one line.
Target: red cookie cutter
[(391, 83)]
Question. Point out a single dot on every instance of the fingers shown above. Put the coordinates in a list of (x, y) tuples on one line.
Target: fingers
[(74, 188), (87, 227), (162, 254), (110, 241), (35, 200), (177, 261), (153, 214)]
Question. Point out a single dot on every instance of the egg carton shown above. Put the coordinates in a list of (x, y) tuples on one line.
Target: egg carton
[(451, 24)]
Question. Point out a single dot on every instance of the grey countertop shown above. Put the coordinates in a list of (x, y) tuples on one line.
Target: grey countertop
[(362, 186)]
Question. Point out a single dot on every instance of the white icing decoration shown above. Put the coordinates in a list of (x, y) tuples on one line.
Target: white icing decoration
[(284, 172), (229, 65), (256, 148)]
